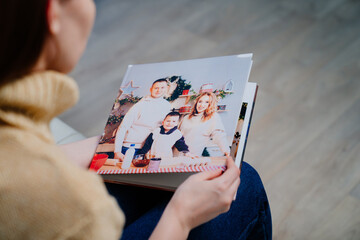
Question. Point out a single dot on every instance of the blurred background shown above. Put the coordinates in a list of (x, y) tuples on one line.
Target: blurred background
[(305, 135)]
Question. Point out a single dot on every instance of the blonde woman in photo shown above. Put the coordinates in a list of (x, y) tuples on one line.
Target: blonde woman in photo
[(204, 123)]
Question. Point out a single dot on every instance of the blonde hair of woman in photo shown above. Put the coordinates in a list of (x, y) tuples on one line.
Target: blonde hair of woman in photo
[(202, 123), (206, 104)]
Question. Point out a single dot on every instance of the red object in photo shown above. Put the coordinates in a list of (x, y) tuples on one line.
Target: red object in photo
[(185, 92), (185, 109), (208, 87), (97, 161)]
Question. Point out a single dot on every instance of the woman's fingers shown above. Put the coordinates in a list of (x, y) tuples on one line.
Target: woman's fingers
[(205, 195), (231, 174), (207, 175), (230, 162), (232, 169), (227, 178)]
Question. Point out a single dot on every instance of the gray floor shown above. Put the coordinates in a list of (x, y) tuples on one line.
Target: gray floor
[(305, 136)]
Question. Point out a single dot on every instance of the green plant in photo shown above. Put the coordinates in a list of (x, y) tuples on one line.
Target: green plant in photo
[(113, 119), (221, 94), (130, 99), (181, 85)]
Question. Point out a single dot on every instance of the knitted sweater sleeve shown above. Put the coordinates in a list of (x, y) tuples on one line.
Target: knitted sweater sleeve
[(50, 198), (181, 145), (147, 145), (126, 123), (218, 134)]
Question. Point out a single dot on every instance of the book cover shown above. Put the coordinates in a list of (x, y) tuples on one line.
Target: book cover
[(177, 117)]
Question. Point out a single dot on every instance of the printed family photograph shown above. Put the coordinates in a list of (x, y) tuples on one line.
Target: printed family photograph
[(175, 117)]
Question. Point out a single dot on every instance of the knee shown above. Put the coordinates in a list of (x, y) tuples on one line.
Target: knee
[(250, 179), (251, 189)]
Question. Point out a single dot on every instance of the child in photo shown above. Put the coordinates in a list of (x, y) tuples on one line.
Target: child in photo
[(161, 141)]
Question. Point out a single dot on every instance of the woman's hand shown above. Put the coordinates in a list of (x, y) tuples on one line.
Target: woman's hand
[(200, 198), (205, 195)]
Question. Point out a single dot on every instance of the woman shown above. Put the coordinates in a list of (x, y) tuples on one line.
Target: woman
[(46, 191), (204, 123)]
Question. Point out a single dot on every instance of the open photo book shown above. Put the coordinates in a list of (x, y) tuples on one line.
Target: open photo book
[(173, 119)]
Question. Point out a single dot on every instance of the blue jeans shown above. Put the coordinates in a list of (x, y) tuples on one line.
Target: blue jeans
[(249, 216)]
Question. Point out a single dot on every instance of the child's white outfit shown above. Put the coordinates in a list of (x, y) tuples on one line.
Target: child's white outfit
[(160, 143), (140, 121)]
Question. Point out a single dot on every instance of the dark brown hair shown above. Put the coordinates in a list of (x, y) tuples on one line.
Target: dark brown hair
[(159, 80), (23, 30), (172, 114)]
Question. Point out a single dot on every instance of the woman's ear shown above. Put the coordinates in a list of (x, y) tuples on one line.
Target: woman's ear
[(53, 16)]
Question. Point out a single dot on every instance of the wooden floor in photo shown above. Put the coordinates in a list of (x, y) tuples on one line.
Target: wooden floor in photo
[(305, 135)]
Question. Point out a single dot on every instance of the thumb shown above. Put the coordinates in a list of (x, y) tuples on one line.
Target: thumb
[(208, 175)]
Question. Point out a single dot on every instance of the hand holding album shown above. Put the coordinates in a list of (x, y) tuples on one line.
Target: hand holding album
[(220, 188)]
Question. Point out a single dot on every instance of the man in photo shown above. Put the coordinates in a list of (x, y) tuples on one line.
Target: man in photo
[(161, 141), (142, 119)]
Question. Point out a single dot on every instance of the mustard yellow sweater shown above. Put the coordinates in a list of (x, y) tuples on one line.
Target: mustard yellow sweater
[(42, 194)]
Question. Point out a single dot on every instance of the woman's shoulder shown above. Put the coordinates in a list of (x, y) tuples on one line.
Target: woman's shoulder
[(186, 118)]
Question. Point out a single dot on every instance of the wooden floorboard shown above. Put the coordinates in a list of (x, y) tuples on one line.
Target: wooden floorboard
[(305, 135), (345, 216)]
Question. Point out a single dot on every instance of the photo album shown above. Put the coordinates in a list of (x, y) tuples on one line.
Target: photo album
[(173, 119)]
